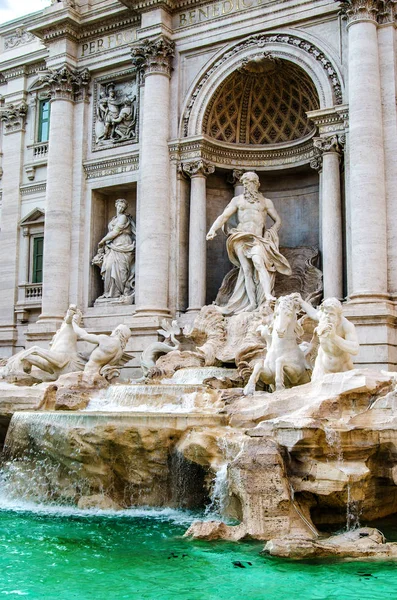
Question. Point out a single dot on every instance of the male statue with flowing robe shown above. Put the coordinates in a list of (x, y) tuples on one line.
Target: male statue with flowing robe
[(251, 248)]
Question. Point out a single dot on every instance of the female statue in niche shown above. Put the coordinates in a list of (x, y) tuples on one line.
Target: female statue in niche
[(116, 257)]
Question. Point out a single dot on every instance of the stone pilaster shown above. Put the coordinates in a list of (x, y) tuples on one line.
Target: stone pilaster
[(66, 86), (328, 156), (198, 171), (13, 117), (152, 58)]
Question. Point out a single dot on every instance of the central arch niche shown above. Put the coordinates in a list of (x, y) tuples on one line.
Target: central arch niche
[(264, 102), (263, 105)]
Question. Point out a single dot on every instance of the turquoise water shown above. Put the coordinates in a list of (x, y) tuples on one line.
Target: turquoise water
[(140, 554)]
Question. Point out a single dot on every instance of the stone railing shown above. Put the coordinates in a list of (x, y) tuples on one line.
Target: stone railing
[(40, 150), (32, 292)]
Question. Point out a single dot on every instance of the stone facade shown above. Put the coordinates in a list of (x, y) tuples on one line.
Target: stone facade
[(165, 104)]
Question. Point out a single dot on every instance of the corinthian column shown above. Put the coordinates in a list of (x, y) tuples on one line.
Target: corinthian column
[(329, 150), (153, 58), (65, 86), (367, 164), (198, 171)]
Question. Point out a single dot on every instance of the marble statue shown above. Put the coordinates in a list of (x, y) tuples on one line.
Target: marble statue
[(251, 248), (116, 117), (116, 257), (337, 337), (108, 355), (151, 354), (285, 364), (48, 364)]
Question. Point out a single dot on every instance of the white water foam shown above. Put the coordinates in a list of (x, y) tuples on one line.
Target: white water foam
[(178, 516)]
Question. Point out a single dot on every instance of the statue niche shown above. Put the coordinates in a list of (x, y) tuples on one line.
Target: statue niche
[(116, 258)]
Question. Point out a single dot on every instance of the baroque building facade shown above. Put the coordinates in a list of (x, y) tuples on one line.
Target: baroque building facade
[(164, 104)]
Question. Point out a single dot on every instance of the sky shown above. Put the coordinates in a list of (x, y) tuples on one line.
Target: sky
[(11, 9)]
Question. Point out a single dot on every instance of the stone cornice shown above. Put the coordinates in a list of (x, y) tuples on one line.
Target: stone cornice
[(111, 166), (377, 11), (66, 83), (242, 156), (14, 117), (153, 56)]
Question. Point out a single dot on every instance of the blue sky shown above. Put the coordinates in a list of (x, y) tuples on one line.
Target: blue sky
[(11, 9)]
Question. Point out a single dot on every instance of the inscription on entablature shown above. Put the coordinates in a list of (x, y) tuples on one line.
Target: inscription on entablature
[(108, 42), (214, 10)]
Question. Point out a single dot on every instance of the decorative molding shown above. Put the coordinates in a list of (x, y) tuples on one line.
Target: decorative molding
[(153, 56), (331, 120), (377, 11), (14, 117), (198, 168), (260, 40), (19, 38), (242, 156), (66, 83), (29, 190), (109, 167)]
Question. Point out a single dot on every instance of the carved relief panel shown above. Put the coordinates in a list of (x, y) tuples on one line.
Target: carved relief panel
[(116, 111)]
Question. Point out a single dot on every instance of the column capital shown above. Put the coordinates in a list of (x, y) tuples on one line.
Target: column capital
[(376, 11), (235, 176), (198, 168), (153, 56), (331, 143), (14, 117), (66, 83), (326, 145)]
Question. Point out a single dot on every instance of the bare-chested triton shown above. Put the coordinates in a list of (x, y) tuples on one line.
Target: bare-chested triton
[(251, 248)]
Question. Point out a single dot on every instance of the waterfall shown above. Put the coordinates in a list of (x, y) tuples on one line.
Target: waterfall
[(196, 376), (163, 398), (352, 510), (333, 439), (219, 493)]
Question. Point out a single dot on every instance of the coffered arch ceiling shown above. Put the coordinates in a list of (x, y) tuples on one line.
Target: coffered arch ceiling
[(264, 102)]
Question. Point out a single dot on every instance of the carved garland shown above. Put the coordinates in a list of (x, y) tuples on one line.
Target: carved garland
[(260, 40)]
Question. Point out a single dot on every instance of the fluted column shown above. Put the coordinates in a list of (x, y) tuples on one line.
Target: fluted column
[(65, 87), (329, 149), (153, 59), (367, 166), (198, 171)]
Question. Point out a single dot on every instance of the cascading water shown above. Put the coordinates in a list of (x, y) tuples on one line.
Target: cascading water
[(219, 494), (162, 398)]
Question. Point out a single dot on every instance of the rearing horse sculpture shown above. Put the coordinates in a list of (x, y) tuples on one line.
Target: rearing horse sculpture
[(285, 364)]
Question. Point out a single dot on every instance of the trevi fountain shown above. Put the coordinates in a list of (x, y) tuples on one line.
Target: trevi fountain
[(198, 300), (248, 424)]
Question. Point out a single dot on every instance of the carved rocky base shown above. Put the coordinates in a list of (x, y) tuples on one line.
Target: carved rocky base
[(124, 300)]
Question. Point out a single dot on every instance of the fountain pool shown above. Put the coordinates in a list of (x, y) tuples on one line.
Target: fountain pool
[(65, 554)]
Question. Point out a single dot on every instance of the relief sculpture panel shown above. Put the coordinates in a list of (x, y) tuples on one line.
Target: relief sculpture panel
[(115, 113)]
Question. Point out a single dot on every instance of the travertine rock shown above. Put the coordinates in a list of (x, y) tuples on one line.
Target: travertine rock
[(215, 530), (359, 544), (98, 501)]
